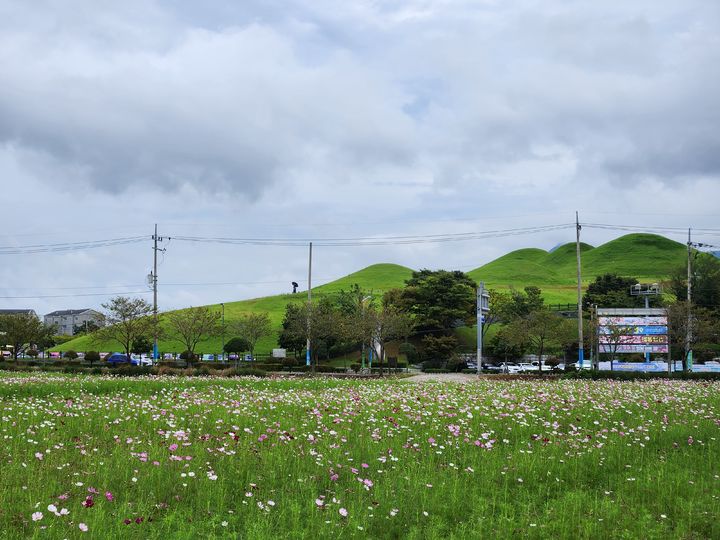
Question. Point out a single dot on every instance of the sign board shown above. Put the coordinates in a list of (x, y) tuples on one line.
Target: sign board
[(632, 331), (279, 353)]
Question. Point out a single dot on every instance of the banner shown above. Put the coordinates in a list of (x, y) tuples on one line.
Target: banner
[(647, 320), (634, 339), (641, 330), (634, 348)]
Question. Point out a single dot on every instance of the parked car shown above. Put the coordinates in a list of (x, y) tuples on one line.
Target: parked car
[(118, 358), (529, 367)]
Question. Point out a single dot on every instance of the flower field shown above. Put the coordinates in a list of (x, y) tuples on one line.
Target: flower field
[(102, 457)]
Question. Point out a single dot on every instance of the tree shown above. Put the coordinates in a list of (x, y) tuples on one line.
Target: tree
[(70, 354), (88, 327), (613, 291), (238, 346), (611, 338), (127, 319), (22, 330), (253, 327), (92, 357), (705, 282), (703, 326), (437, 350), (292, 336), (141, 345), (324, 328), (194, 325), (537, 331), (439, 301), (387, 324)]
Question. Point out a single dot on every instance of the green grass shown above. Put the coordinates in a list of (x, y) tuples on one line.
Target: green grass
[(489, 459), (647, 257)]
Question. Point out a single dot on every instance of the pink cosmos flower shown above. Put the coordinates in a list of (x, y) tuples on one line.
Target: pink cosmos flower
[(109, 496), (173, 447), (37, 516), (39, 455), (83, 527), (88, 502), (320, 503), (343, 512)]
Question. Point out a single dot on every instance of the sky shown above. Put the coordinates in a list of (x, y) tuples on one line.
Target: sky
[(309, 120)]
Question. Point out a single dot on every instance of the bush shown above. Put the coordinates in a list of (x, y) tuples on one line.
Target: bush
[(92, 356), (638, 375), (188, 356), (71, 355), (436, 370), (410, 352), (244, 372), (356, 367), (130, 370), (33, 353), (456, 364)]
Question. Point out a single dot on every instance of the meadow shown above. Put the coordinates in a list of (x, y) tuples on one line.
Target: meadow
[(103, 457)]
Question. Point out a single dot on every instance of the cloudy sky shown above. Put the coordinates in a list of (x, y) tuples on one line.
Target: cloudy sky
[(323, 119)]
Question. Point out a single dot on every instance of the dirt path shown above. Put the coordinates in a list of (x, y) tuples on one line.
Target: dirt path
[(441, 377)]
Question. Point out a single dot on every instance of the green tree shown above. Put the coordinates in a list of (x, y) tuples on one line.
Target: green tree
[(253, 327), (613, 291), (703, 326), (439, 301), (705, 282), (141, 345), (437, 350), (70, 354), (537, 331), (92, 357), (611, 338), (238, 346), (88, 327), (292, 336), (22, 330), (388, 323), (194, 325), (127, 319)]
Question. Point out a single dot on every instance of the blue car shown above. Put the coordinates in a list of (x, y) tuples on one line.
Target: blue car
[(117, 358)]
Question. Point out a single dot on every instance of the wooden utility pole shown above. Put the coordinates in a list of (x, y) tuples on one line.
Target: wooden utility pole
[(581, 352)]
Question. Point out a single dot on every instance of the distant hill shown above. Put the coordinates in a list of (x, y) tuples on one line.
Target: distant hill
[(648, 257)]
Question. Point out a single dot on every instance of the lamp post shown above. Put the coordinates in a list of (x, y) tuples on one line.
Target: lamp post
[(483, 307), (222, 304)]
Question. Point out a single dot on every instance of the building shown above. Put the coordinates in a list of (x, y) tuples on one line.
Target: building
[(67, 319), (30, 312)]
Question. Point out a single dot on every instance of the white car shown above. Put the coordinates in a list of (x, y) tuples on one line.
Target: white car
[(533, 366)]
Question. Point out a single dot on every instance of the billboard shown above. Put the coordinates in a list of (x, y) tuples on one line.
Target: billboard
[(633, 331)]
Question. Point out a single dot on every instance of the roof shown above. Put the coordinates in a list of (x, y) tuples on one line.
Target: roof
[(68, 312), (17, 312)]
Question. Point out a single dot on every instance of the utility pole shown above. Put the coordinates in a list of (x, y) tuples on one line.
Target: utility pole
[(581, 352), (687, 364), (154, 283), (309, 305)]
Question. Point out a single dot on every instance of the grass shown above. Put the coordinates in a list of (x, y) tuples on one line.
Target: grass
[(326, 459), (647, 257)]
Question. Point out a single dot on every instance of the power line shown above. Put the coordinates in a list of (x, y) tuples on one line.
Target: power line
[(75, 295), (377, 240), (70, 246)]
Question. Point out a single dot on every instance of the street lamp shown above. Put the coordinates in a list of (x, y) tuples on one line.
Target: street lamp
[(223, 330)]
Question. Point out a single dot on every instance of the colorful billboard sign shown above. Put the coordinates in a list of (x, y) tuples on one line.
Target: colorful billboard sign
[(633, 333)]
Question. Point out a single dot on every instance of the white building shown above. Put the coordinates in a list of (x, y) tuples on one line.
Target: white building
[(67, 319)]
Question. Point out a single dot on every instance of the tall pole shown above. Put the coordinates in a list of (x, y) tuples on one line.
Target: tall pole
[(688, 330), (223, 331), (155, 309), (309, 309), (581, 352), (479, 328)]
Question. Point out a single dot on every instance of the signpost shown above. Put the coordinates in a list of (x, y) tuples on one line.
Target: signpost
[(482, 307)]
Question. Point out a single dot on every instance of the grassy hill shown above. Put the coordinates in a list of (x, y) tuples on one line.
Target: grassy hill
[(647, 257), (376, 278)]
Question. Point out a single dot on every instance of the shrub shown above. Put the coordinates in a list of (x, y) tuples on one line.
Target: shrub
[(436, 370), (244, 372), (72, 355), (33, 353), (356, 367), (92, 356)]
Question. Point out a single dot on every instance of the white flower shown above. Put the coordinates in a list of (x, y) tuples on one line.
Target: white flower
[(83, 527), (37, 516), (52, 508)]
